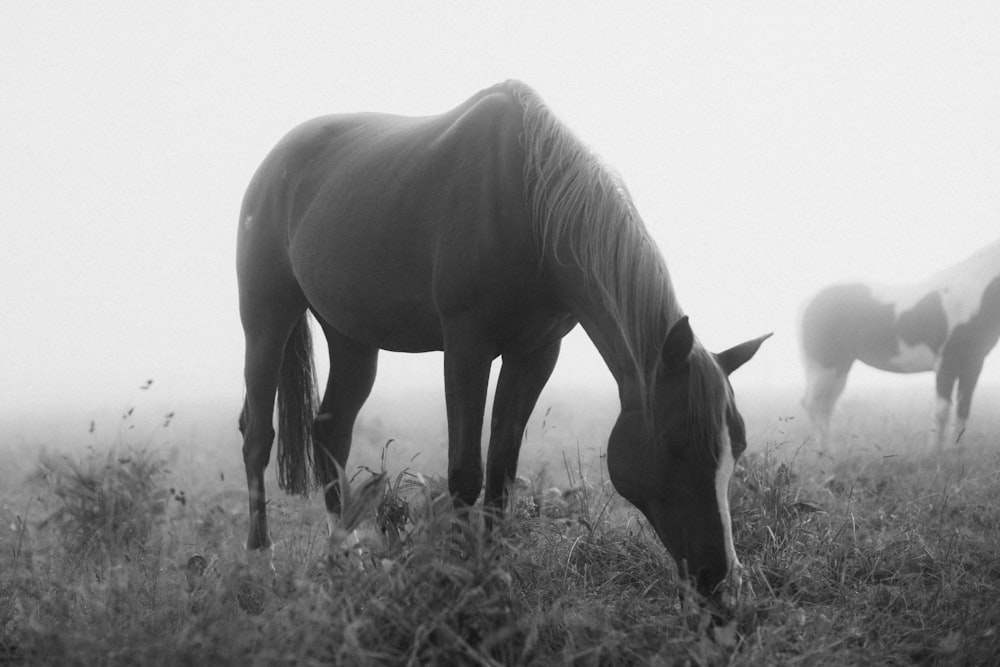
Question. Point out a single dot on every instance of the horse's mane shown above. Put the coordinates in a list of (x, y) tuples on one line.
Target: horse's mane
[(578, 202)]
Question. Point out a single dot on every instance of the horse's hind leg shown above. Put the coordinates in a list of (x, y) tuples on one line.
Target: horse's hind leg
[(264, 350), (824, 385), (522, 378), (352, 373)]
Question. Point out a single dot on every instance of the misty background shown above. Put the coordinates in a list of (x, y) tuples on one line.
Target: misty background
[(771, 148)]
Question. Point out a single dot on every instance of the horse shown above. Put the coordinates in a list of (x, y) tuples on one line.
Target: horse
[(486, 231), (947, 323)]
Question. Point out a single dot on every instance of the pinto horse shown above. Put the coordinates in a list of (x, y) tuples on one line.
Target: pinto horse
[(947, 323), (486, 231)]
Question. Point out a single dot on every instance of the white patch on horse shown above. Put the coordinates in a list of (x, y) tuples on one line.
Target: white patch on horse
[(722, 476), (901, 297), (961, 287), (962, 291), (913, 358), (247, 222)]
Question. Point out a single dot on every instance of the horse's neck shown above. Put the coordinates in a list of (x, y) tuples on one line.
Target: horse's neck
[(630, 357), (610, 345)]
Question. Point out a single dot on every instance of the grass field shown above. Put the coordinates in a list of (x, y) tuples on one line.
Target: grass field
[(124, 546)]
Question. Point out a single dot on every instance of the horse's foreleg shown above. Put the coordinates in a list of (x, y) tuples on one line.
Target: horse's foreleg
[(467, 360), (352, 373), (522, 378), (967, 380), (945, 384)]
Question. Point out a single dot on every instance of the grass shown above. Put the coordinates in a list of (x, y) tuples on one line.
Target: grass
[(883, 561), (879, 555)]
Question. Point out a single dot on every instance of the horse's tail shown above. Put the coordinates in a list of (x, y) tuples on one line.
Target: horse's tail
[(297, 397)]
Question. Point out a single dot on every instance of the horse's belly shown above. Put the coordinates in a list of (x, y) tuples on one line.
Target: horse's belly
[(395, 320), (403, 332), (908, 359)]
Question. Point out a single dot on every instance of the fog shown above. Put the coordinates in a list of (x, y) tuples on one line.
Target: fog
[(771, 148)]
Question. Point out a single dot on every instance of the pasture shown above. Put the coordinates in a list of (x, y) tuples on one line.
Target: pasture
[(875, 552)]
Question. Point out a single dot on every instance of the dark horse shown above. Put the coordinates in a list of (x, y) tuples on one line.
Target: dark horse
[(486, 231), (947, 323)]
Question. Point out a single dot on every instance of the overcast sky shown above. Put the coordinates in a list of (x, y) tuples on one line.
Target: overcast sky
[(771, 148)]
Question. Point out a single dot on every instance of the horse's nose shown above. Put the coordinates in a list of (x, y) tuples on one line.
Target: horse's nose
[(718, 589), (718, 573)]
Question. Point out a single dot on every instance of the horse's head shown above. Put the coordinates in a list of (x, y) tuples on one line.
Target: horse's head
[(673, 456)]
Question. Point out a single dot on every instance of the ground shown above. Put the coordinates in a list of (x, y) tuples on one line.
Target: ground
[(124, 545)]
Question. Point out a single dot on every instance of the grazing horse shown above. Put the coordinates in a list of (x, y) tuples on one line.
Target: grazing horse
[(486, 231), (947, 323)]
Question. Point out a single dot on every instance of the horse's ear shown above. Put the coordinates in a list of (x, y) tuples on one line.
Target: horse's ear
[(736, 356), (677, 346)]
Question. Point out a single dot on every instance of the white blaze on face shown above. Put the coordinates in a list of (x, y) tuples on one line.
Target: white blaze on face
[(722, 476)]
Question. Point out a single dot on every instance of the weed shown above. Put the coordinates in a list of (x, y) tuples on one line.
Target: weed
[(106, 503)]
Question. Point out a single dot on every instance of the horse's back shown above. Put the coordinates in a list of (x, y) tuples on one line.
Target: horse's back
[(906, 328), (390, 223), (345, 160)]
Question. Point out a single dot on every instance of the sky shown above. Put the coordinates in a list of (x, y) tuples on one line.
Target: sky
[(771, 148)]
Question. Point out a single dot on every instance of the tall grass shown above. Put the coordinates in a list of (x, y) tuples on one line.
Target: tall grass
[(857, 560), (107, 504)]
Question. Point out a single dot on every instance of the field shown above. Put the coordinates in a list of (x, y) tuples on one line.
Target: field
[(122, 544)]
